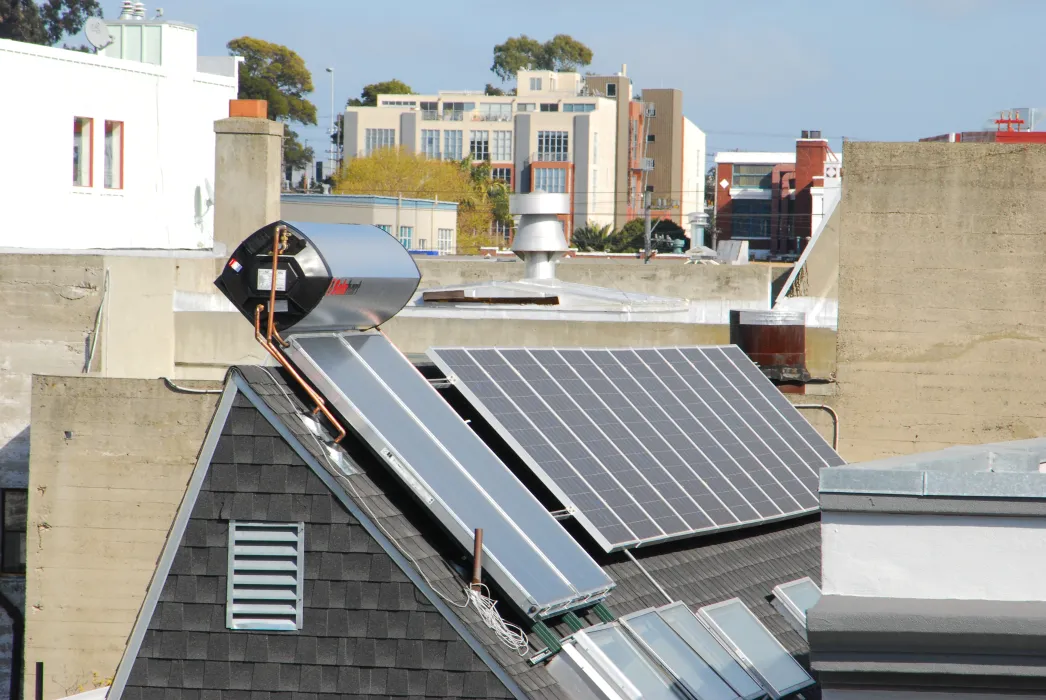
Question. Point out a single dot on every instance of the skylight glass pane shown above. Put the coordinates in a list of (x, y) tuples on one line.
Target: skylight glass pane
[(736, 624), (632, 664), (681, 661), (801, 595), (687, 626)]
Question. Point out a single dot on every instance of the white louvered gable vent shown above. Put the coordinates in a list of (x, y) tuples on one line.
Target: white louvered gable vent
[(266, 564)]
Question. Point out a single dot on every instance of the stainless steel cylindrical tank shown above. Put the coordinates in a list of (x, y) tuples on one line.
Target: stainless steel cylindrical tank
[(329, 277)]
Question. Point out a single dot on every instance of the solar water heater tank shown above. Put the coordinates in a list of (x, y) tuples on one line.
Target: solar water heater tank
[(329, 277)]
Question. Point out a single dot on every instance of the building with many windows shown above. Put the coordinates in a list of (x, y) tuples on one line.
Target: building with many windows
[(561, 132), (776, 201)]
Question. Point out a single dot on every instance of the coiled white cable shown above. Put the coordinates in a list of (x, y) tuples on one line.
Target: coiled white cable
[(508, 634)]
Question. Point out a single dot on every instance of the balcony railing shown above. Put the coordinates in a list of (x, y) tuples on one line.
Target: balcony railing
[(480, 117)]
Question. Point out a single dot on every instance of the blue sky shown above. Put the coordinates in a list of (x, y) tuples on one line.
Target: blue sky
[(753, 74)]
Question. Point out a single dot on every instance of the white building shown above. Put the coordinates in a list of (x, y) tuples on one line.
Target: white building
[(119, 150)]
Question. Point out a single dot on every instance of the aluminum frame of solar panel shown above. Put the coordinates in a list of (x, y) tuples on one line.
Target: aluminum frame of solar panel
[(755, 647), (661, 641), (647, 445), (406, 422), (793, 599)]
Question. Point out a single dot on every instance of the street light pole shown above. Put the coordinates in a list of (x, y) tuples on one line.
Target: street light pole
[(331, 131)]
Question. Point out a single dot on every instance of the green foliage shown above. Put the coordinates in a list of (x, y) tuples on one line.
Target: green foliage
[(493, 91), (295, 153), (591, 238), (46, 23), (369, 95), (561, 53), (397, 171), (632, 239), (276, 74)]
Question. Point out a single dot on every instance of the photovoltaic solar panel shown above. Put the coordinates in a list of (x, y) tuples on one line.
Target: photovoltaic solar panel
[(644, 445)]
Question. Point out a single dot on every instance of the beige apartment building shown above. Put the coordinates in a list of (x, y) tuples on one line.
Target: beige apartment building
[(561, 132)]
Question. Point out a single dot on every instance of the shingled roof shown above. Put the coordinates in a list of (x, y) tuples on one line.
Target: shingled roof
[(698, 571)]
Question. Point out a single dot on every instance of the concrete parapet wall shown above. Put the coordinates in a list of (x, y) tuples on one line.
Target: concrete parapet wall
[(942, 296), (110, 462)]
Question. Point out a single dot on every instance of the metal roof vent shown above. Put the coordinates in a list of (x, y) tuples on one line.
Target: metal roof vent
[(539, 241)]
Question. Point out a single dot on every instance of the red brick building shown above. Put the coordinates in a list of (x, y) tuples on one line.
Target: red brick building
[(774, 200)]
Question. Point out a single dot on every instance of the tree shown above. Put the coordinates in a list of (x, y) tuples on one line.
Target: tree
[(397, 171), (493, 91), (632, 237), (369, 95), (296, 154), (561, 53), (46, 23), (276, 74), (591, 238)]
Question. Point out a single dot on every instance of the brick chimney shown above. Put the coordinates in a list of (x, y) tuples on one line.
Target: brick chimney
[(810, 154)]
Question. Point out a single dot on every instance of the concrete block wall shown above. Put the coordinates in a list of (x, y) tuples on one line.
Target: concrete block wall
[(942, 296), (110, 462)]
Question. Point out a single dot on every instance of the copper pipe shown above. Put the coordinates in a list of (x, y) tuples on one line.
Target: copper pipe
[(477, 559), (279, 244), (321, 405)]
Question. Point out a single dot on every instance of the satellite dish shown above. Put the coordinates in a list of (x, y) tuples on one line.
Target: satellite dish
[(97, 33)]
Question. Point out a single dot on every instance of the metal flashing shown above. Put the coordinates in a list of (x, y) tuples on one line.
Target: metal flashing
[(379, 536), (941, 505), (174, 538)]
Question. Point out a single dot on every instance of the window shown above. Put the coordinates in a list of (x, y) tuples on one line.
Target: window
[(611, 89), (549, 107), (445, 240), (479, 145), (525, 107), (423, 244), (651, 111), (406, 233), (83, 154), (266, 566), (757, 176), (398, 103), (749, 218), (582, 107), (553, 146), (595, 148), (501, 230), (455, 111), (550, 180), (595, 179), (430, 143), (385, 227), (502, 147), (502, 175), (650, 138), (429, 110), (495, 111), (452, 145), (113, 155), (375, 139), (15, 502), (535, 83)]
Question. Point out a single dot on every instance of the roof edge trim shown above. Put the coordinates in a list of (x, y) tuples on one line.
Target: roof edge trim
[(174, 539)]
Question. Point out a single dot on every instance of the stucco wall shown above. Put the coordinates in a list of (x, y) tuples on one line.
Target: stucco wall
[(110, 462), (942, 332)]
